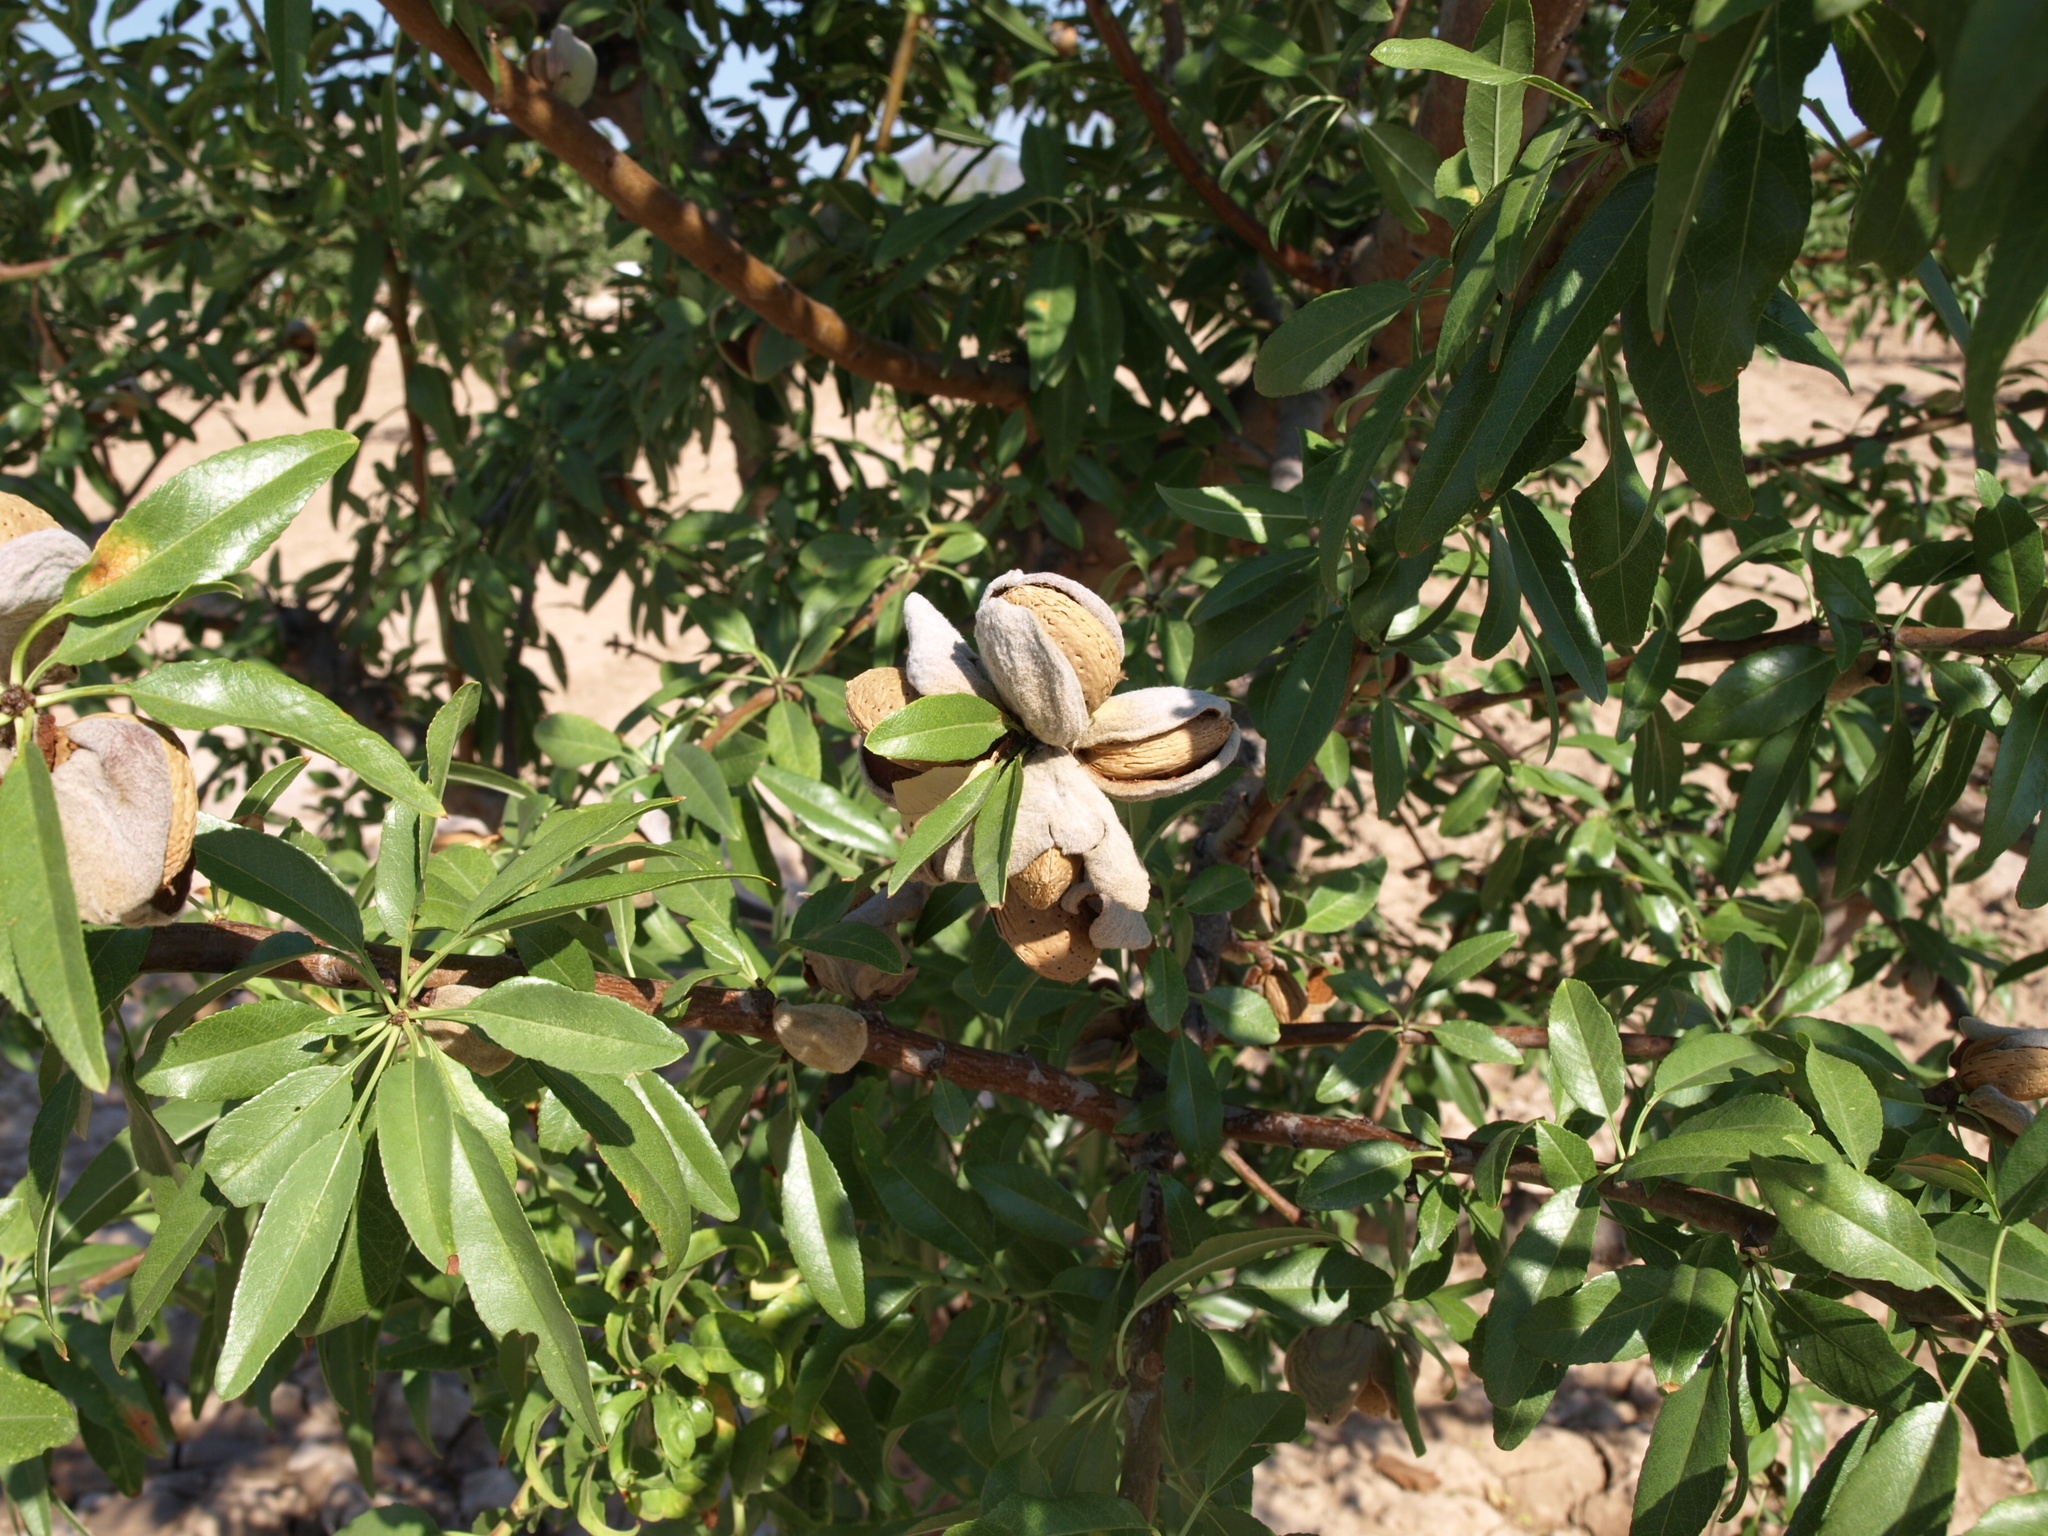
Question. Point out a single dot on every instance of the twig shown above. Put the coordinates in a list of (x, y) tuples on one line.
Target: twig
[(1756, 463), (899, 76), (1260, 1187), (121, 1269), (1299, 265), (690, 233)]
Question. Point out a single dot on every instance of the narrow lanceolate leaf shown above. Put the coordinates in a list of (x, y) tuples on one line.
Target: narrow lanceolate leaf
[(1761, 695), (817, 1218), (944, 728), (1849, 1221), (39, 920), (1788, 331), (1585, 1053), (1317, 342), (2017, 278), (1905, 1485), (632, 1146), (254, 1146), (1578, 300), (1752, 217), (1706, 100), (33, 1418), (398, 868), (444, 732), (582, 1031), (946, 821), (1703, 1290), (995, 829), (208, 521), (47, 1138), (2019, 779), (1194, 1107), (1304, 708), (1493, 113), (1780, 767), (704, 1172), (2005, 542), (1552, 590), (415, 1139), (293, 1245), (1875, 824), (1703, 432), (1686, 1465), (1618, 544), (284, 878), (509, 1279), (198, 695), (824, 810), (235, 1053)]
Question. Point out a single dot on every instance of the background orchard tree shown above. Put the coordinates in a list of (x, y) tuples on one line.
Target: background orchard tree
[(937, 1065)]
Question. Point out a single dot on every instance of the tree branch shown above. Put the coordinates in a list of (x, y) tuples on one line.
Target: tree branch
[(684, 228), (1756, 463), (1299, 265)]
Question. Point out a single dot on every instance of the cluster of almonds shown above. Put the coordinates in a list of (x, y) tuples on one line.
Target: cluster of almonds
[(1051, 653), (1343, 1366), (124, 788)]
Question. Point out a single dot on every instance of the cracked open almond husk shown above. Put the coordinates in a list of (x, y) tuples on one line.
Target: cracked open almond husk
[(37, 557)]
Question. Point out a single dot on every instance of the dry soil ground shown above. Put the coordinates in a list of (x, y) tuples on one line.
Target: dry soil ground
[(232, 1473)]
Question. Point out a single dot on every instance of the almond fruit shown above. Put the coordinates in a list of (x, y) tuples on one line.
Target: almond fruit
[(1331, 1368), (37, 557), (821, 1035), (1052, 942), (1042, 882), (1168, 755), (126, 802), (1095, 654), (875, 695)]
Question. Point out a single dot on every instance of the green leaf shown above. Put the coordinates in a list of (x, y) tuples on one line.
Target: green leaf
[(1254, 512), (1703, 432), (817, 1219), (1849, 1222), (1445, 484), (1991, 86), (1829, 1477), (825, 811), (39, 920), (2005, 542), (1603, 1320), (1319, 340), (1077, 1514), (995, 830), (2029, 1413), (282, 878), (1493, 113), (1618, 543), (397, 891), (1239, 1014), (705, 1175), (1166, 989), (1600, 268), (1780, 767), (1752, 217), (1707, 97), (576, 895), (1466, 959), (944, 822), (1304, 707), (1788, 331), (1725, 1137), (415, 1139), (1906, 1484), (235, 1053), (1849, 1106), (1875, 825), (1449, 59), (1357, 1175), (33, 1418), (1342, 898), (1255, 41), (1473, 1041), (575, 741), (1545, 575), (1761, 695), (1032, 1202), (1219, 888), (1548, 1258), (1686, 1465), (1585, 1054), (508, 1276), (1194, 1104), (181, 1231), (444, 733), (208, 521), (942, 728), (579, 1031), (2019, 779), (1705, 1058), (254, 1146), (1229, 1250), (2013, 286), (691, 775), (858, 941), (1704, 1288), (294, 1242), (2024, 1514), (632, 1146), (1051, 298), (199, 695)]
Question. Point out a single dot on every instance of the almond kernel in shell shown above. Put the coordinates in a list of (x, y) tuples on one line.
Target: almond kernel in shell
[(1180, 750), (1044, 880), (1052, 942), (1096, 655), (18, 517), (875, 695)]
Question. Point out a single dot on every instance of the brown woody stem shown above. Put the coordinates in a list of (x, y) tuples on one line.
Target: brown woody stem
[(685, 228)]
